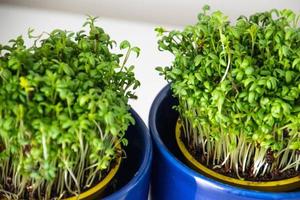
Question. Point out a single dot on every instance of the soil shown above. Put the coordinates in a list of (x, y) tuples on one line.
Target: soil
[(272, 176)]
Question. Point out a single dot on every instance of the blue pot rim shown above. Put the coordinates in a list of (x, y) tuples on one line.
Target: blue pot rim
[(146, 163), (190, 172)]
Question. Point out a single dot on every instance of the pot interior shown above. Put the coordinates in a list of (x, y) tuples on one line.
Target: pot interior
[(166, 119)]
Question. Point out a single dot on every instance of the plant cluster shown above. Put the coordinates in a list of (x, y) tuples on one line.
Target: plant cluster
[(238, 88), (63, 111)]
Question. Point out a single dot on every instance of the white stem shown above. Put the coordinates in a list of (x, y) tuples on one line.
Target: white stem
[(45, 151), (223, 163), (227, 69)]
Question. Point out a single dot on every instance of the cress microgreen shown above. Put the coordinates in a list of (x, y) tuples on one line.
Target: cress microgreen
[(238, 88), (64, 109)]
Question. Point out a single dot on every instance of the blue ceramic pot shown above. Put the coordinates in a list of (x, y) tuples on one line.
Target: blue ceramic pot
[(133, 177), (172, 179)]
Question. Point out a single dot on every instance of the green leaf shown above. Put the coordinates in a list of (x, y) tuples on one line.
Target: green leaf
[(206, 8), (294, 145), (136, 50), (296, 62), (251, 97), (83, 100), (198, 76), (197, 60), (285, 50), (124, 44), (176, 71), (160, 69), (159, 31), (222, 62), (67, 69), (289, 76), (124, 142), (239, 76), (248, 81), (249, 70)]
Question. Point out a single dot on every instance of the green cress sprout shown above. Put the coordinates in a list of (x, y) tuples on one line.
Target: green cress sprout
[(63, 111), (238, 88)]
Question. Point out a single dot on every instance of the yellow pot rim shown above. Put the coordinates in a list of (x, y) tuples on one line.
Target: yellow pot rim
[(100, 187), (279, 185)]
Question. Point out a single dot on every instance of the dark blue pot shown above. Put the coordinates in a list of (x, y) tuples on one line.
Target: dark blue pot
[(172, 179), (133, 177)]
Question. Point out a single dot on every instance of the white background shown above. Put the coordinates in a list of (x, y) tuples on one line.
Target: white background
[(133, 20), (176, 12)]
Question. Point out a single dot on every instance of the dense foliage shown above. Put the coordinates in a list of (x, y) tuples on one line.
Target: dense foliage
[(238, 88), (63, 110)]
